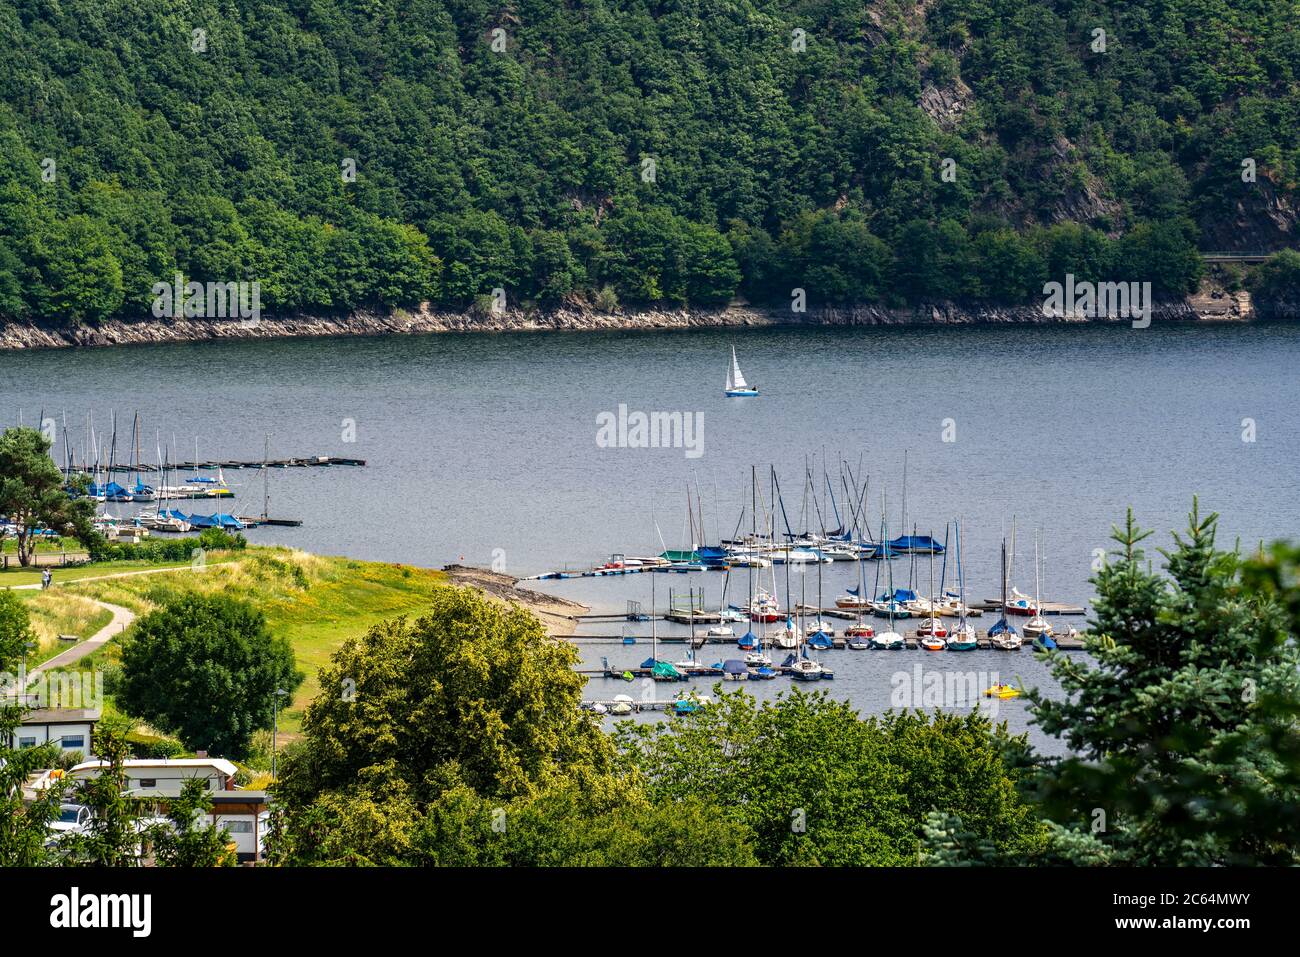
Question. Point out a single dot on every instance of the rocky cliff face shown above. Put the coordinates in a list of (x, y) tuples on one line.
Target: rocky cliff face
[(369, 323)]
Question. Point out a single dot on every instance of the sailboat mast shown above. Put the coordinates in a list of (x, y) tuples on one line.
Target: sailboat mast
[(654, 630), (961, 586), (932, 575), (1038, 610), (266, 486)]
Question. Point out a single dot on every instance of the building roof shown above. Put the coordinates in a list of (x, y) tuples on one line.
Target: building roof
[(219, 764), (239, 797), (62, 716)]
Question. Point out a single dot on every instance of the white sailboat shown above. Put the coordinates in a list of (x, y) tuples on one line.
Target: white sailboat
[(736, 384), (1038, 627)]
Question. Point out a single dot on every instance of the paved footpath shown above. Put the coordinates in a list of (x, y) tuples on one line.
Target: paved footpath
[(122, 617)]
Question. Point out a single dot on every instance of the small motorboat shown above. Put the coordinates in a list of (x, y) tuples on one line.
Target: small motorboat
[(853, 603), (763, 674), (623, 704), (721, 631), (758, 659)]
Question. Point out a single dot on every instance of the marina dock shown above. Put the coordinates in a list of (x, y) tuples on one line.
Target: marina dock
[(313, 461), (1063, 643)]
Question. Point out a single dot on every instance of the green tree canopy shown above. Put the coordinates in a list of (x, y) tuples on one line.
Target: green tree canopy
[(1184, 727), (817, 784), (32, 493), (471, 692), (206, 668)]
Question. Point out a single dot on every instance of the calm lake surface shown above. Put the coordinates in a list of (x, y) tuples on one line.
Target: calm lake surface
[(484, 448)]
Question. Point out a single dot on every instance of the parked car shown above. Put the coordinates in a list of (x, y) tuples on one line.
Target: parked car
[(72, 818)]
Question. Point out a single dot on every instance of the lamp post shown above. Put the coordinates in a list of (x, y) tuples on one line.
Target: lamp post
[(28, 646), (275, 724)]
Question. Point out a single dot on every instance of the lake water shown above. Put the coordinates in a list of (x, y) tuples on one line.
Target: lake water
[(485, 448)]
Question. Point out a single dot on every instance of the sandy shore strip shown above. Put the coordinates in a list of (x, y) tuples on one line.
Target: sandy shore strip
[(558, 615)]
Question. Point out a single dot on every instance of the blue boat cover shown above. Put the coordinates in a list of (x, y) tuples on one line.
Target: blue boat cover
[(916, 543)]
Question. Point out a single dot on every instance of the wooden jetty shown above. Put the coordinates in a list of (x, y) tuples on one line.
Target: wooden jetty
[(312, 461), (1049, 607), (1062, 642), (253, 521), (700, 671)]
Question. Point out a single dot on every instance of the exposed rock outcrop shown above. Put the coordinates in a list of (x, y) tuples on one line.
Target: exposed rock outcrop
[(428, 320)]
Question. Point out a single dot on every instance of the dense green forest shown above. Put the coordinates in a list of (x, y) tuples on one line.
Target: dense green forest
[(634, 151)]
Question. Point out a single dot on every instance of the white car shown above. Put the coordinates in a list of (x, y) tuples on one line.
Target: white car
[(72, 818)]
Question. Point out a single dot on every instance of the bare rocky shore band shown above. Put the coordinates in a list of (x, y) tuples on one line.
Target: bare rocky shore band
[(1214, 306)]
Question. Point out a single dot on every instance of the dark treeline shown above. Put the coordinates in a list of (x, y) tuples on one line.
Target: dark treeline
[(138, 139)]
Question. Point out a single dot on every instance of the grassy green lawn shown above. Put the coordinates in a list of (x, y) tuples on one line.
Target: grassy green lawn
[(45, 545), (24, 576), (316, 602)]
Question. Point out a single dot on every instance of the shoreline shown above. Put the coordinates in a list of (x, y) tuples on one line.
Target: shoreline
[(558, 615), (1207, 306)]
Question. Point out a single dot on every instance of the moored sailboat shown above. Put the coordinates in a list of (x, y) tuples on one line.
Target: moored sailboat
[(1037, 629), (962, 637), (1002, 635)]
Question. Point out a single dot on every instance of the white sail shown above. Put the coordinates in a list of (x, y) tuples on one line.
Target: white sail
[(735, 378)]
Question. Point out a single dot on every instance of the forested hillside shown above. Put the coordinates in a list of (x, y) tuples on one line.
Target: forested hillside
[(630, 151)]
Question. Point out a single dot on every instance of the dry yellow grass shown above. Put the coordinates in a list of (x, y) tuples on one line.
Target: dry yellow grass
[(59, 612), (314, 601)]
